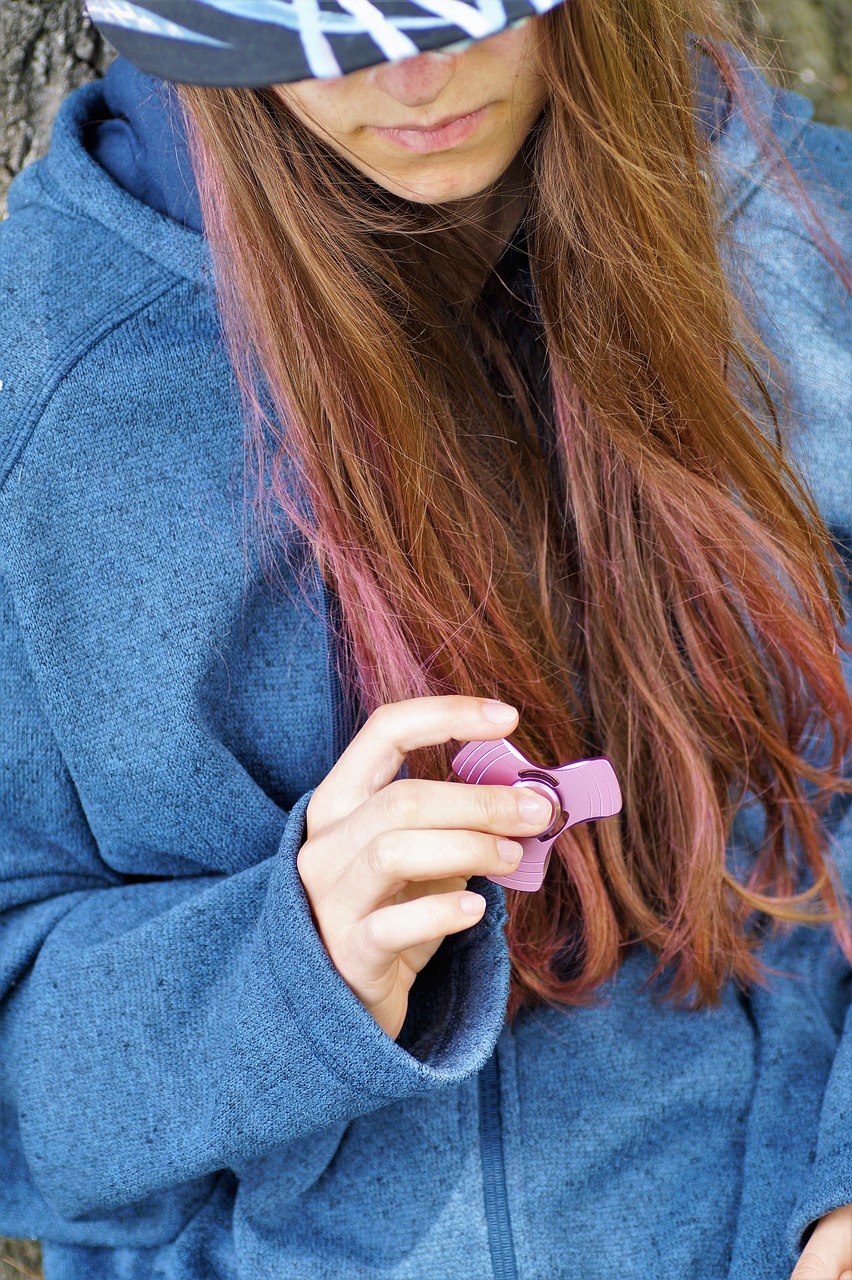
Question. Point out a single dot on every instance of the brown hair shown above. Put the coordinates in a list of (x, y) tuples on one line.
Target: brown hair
[(658, 588)]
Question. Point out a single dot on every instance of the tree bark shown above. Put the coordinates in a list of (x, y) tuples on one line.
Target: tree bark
[(20, 1260), (810, 42), (46, 50)]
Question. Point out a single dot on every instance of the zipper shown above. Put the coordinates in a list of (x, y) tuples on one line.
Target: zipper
[(344, 719), (494, 1173)]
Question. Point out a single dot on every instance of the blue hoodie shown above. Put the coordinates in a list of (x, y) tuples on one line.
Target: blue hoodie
[(188, 1089)]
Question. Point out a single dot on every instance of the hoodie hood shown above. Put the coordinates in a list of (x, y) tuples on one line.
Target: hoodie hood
[(142, 143), (125, 135), (140, 136)]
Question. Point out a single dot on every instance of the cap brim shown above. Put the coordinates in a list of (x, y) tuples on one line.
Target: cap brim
[(251, 43)]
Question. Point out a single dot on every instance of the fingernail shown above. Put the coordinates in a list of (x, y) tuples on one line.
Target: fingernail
[(534, 808), (509, 850), (472, 904), (498, 712)]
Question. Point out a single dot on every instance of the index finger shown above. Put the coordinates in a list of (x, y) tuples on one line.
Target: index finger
[(377, 752)]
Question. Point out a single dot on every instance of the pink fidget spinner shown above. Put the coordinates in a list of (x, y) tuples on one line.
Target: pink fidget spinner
[(578, 792)]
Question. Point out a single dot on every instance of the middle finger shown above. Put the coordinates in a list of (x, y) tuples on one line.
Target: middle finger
[(418, 804)]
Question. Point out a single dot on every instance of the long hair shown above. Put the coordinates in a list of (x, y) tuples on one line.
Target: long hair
[(655, 583)]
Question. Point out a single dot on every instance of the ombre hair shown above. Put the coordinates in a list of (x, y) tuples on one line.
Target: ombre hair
[(657, 586)]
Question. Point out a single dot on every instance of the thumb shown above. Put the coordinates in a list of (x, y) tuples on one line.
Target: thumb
[(828, 1253)]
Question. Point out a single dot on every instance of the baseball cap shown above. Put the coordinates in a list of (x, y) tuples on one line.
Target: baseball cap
[(259, 42)]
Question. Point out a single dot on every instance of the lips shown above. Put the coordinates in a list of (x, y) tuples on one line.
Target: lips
[(416, 127), (437, 137)]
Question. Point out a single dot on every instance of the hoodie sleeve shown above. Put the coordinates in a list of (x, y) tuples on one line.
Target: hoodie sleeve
[(806, 321), (155, 1031), (829, 1184)]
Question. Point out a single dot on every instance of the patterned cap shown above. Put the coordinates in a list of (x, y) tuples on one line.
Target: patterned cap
[(260, 42)]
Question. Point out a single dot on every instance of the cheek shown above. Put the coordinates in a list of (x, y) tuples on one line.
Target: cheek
[(512, 64), (512, 48), (321, 105)]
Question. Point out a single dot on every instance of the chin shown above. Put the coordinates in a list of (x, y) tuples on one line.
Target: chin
[(442, 186)]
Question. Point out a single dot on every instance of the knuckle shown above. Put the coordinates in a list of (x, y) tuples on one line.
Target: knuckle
[(371, 937), (471, 847), (346, 955), (492, 805), (381, 718), (316, 880), (379, 857), (305, 864), (441, 914), (457, 704), (314, 814), (400, 800), (430, 913)]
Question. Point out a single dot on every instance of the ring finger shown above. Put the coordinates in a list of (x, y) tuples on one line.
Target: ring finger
[(394, 859)]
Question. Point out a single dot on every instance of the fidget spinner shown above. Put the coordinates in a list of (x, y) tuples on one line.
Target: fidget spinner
[(578, 792)]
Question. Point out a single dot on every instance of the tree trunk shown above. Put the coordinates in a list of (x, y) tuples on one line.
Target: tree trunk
[(46, 50), (812, 44), (20, 1260)]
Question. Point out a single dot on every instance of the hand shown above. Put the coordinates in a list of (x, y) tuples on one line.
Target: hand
[(385, 862), (828, 1253)]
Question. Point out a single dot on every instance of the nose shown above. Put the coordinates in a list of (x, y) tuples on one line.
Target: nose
[(415, 81)]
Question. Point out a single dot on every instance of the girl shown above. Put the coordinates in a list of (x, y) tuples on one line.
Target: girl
[(364, 395)]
